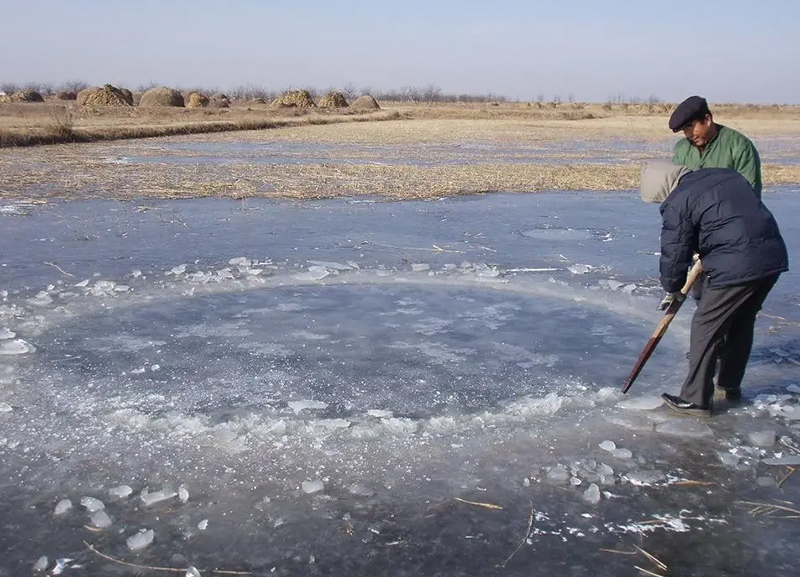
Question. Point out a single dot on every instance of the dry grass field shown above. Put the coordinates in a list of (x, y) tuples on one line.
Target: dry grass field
[(402, 151)]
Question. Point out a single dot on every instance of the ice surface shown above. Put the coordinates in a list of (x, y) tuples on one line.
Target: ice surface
[(140, 540), (395, 388), (685, 428), (641, 403)]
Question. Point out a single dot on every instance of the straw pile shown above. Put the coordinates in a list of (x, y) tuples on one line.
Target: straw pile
[(197, 100), (106, 96), (22, 96), (366, 102), (219, 100), (295, 99), (333, 100), (162, 96)]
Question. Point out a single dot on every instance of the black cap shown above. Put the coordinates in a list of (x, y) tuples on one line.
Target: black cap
[(691, 109)]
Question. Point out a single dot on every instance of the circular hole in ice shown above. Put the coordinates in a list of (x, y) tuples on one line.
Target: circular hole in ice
[(332, 351)]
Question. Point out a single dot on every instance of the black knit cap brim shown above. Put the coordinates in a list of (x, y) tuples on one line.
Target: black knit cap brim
[(691, 109)]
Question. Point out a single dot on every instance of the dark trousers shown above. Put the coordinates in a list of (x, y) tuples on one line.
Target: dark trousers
[(722, 330)]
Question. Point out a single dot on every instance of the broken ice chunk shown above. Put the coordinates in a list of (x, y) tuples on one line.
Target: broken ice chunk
[(5, 408), (608, 446), (121, 492), (420, 266), (15, 347), (592, 494), (764, 439), (101, 520), (645, 477), (183, 493), (6, 334), (41, 564), (62, 507), (203, 525), (622, 453), (558, 474), (298, 406), (310, 487), (240, 261), (192, 572), (92, 504), (103, 288), (580, 268), (728, 459), (314, 273), (766, 481), (42, 299), (140, 540), (791, 461), (150, 499)]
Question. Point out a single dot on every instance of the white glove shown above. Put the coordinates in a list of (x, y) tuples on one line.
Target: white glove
[(670, 298)]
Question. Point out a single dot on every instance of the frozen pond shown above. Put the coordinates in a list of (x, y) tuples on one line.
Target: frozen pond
[(365, 387), (778, 150)]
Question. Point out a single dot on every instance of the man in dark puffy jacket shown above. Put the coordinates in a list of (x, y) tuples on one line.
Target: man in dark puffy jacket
[(713, 212)]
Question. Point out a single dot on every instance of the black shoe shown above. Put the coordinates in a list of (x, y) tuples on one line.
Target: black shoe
[(730, 395), (686, 408)]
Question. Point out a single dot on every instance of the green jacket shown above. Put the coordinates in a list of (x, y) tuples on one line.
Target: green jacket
[(728, 149)]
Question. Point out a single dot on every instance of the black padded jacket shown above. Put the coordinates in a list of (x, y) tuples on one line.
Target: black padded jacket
[(713, 212)]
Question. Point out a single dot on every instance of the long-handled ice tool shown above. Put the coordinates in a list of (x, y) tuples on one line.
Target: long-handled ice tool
[(662, 327)]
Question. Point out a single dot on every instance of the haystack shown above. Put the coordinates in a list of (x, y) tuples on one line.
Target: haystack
[(219, 100), (161, 96), (197, 100), (25, 96), (106, 96), (333, 100), (365, 102), (295, 99), (66, 95)]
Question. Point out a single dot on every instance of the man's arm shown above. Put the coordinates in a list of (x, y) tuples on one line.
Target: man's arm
[(747, 163)]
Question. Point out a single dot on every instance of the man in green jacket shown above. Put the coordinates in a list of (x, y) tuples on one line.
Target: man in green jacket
[(711, 145)]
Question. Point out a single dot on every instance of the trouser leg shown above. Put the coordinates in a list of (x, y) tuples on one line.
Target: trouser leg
[(715, 315), (736, 352)]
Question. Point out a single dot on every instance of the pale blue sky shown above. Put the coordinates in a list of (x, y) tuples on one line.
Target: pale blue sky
[(724, 50)]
